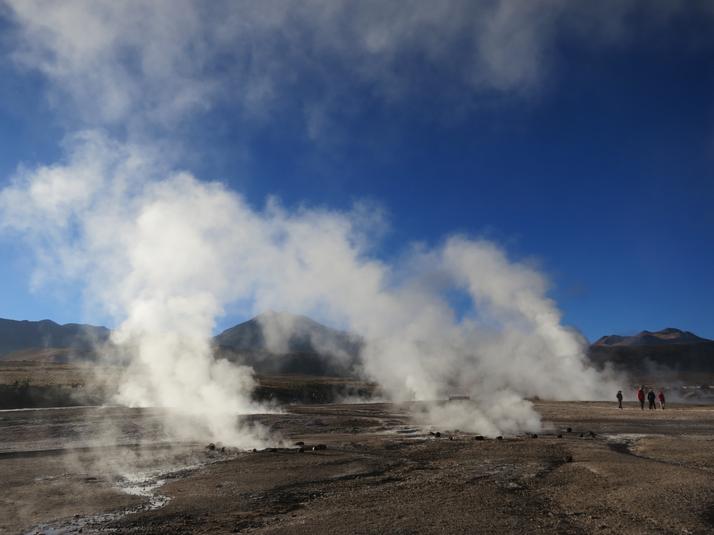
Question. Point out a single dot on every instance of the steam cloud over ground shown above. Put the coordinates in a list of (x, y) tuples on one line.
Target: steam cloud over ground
[(164, 253)]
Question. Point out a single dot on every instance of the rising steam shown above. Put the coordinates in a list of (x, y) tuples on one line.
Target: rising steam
[(164, 253)]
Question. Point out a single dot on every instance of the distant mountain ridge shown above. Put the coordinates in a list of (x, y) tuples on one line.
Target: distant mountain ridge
[(281, 343), (666, 336), (299, 333), (670, 348), (23, 335), (272, 343)]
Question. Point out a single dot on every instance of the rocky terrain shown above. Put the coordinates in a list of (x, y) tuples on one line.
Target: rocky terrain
[(361, 469)]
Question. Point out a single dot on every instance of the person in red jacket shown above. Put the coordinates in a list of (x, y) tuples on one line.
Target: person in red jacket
[(660, 397), (641, 397)]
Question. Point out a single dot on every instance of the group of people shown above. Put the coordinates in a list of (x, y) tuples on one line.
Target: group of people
[(650, 397)]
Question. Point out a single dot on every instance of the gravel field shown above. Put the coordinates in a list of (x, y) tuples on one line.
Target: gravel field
[(614, 472)]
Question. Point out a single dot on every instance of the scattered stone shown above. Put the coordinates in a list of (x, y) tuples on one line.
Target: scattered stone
[(569, 430), (581, 435)]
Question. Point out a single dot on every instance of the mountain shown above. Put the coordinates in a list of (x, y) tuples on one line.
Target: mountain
[(281, 332), (666, 336), (281, 343), (276, 342), (669, 349), (26, 335), (272, 343)]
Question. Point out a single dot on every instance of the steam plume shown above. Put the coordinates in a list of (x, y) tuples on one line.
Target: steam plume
[(164, 253)]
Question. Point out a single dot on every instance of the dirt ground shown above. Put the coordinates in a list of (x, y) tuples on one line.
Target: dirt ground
[(614, 472)]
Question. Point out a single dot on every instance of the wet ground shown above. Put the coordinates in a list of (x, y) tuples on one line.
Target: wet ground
[(594, 469)]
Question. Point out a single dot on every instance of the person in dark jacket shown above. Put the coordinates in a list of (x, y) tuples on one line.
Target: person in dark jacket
[(660, 396), (651, 398), (619, 399), (641, 397)]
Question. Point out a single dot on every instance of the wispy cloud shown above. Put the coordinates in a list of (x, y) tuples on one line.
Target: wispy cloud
[(139, 64)]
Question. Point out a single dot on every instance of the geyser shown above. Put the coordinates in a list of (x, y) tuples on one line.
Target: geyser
[(163, 253)]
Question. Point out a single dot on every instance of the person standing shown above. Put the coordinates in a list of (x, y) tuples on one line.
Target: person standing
[(651, 398), (619, 399), (641, 397), (660, 396)]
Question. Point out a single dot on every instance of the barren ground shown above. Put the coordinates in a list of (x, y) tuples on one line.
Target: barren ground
[(642, 472)]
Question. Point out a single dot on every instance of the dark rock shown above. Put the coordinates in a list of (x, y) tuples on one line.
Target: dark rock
[(300, 443), (318, 447), (211, 446), (569, 430), (534, 435), (478, 437), (437, 434), (499, 437), (301, 450), (560, 436)]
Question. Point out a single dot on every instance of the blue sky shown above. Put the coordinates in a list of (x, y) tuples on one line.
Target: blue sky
[(599, 167)]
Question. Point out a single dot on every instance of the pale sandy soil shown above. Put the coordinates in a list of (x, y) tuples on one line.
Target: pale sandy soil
[(630, 472)]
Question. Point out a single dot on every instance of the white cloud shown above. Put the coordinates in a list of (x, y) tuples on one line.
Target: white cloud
[(137, 63)]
